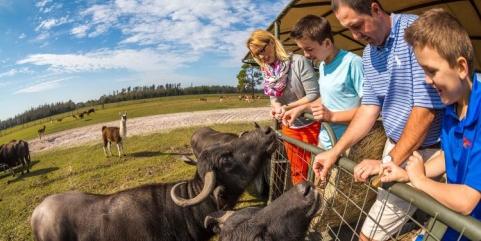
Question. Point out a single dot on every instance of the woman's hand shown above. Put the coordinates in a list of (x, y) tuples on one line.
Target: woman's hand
[(277, 112), (291, 115)]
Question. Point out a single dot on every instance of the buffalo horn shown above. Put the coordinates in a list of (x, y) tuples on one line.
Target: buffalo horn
[(209, 184)]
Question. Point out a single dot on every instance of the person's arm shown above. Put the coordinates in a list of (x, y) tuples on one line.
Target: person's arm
[(359, 127), (343, 116), (414, 133), (458, 197), (304, 71), (434, 167), (276, 111)]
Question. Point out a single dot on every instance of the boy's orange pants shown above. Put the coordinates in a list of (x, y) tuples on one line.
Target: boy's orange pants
[(298, 157)]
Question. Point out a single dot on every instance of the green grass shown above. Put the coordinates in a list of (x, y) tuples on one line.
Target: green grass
[(137, 108), (150, 159)]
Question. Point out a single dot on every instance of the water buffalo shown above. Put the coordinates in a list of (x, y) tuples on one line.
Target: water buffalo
[(15, 153), (163, 212), (205, 137), (285, 219)]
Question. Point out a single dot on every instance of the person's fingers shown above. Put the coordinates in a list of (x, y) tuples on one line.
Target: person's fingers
[(417, 154), (323, 174), (364, 176)]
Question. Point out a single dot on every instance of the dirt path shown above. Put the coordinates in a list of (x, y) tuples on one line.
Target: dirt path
[(149, 124)]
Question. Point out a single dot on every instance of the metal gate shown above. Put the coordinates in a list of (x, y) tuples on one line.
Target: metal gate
[(345, 203)]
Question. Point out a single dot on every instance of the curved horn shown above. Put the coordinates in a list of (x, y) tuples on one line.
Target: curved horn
[(209, 184)]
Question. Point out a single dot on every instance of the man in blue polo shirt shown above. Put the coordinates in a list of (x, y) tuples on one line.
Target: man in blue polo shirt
[(445, 52), (394, 87)]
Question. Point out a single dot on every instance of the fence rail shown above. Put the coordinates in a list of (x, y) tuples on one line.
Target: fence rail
[(440, 216)]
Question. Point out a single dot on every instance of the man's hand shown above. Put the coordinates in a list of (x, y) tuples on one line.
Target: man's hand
[(366, 168), (415, 168), (320, 112), (323, 163), (393, 173)]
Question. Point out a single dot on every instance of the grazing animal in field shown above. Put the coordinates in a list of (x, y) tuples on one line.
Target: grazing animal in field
[(115, 134), (285, 219), (59, 119), (91, 110), (206, 137), (221, 98), (41, 132), (15, 153), (74, 116), (81, 115), (203, 99), (164, 211)]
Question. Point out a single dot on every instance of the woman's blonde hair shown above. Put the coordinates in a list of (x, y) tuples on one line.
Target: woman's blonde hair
[(259, 38)]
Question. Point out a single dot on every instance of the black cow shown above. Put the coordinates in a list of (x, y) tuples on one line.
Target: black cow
[(205, 137), (15, 153), (166, 212), (285, 219)]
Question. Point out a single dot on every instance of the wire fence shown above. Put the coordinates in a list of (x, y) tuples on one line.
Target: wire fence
[(346, 204)]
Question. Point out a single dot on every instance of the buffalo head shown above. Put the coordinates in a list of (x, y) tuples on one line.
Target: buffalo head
[(285, 219), (226, 169)]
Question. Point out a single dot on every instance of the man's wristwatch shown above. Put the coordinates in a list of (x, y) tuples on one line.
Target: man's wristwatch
[(387, 158)]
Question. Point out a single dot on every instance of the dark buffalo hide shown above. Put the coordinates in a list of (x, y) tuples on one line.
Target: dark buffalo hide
[(162, 212), (285, 219), (206, 137), (15, 153)]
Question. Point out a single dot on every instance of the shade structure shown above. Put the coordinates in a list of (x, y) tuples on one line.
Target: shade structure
[(468, 12)]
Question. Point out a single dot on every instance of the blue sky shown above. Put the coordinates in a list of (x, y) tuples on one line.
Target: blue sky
[(80, 49)]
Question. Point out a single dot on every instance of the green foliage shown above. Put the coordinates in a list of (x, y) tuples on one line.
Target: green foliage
[(150, 159), (248, 78)]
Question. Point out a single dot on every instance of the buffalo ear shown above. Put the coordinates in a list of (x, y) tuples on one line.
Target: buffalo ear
[(216, 220), (257, 125)]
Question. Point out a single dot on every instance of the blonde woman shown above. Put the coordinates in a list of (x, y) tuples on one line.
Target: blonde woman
[(289, 81)]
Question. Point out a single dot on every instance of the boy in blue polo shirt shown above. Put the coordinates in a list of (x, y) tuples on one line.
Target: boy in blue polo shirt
[(445, 52)]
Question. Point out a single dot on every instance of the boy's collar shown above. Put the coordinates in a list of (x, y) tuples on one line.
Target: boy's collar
[(474, 102)]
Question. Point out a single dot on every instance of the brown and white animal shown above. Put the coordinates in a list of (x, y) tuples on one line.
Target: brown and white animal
[(115, 134), (41, 132), (161, 211), (91, 110)]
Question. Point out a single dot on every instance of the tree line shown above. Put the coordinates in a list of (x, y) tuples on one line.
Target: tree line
[(129, 93)]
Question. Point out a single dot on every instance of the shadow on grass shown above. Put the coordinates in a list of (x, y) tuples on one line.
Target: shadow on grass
[(6, 172), (34, 173)]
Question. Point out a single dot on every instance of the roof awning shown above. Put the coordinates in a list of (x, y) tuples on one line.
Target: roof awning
[(468, 12)]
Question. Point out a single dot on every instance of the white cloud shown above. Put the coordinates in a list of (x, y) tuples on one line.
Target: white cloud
[(39, 87), (127, 59), (42, 36), (80, 31), (50, 23), (13, 72), (22, 36), (199, 26), (41, 3)]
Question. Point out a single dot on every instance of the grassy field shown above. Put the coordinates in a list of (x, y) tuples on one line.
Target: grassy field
[(137, 108), (150, 159)]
